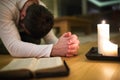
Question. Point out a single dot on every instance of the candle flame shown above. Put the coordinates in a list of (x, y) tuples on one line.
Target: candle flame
[(103, 22)]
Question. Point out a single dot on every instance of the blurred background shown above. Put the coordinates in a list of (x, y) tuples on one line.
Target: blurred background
[(93, 11)]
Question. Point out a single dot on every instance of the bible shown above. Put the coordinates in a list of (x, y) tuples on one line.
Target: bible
[(24, 68)]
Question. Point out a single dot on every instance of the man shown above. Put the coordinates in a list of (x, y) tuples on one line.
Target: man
[(14, 15)]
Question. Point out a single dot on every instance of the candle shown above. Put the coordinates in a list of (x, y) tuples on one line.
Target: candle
[(105, 47), (103, 35), (109, 49)]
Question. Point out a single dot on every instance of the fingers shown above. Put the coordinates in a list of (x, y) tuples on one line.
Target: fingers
[(73, 46), (72, 53), (73, 39), (68, 34), (72, 50), (68, 45), (69, 55)]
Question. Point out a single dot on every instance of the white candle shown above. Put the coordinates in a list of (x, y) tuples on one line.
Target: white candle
[(105, 47), (103, 35), (109, 49)]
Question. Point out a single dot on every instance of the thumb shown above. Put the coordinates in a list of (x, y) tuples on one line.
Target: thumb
[(68, 34)]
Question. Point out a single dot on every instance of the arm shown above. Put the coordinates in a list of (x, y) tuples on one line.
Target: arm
[(50, 38), (11, 39)]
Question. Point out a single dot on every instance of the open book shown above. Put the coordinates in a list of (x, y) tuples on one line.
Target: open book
[(34, 68)]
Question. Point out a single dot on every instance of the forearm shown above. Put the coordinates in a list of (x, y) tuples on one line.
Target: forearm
[(50, 38), (17, 48), (24, 49)]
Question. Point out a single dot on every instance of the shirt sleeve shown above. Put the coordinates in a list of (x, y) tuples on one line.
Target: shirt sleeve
[(41, 3), (17, 48), (50, 38)]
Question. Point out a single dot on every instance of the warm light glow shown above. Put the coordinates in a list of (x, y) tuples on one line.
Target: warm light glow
[(109, 49), (103, 22), (108, 71)]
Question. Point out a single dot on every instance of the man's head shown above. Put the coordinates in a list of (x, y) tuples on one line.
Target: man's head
[(37, 21)]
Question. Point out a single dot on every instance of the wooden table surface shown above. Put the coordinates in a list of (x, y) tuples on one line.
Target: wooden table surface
[(65, 23), (81, 68)]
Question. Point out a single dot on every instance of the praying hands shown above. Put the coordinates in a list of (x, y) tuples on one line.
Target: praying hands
[(67, 45)]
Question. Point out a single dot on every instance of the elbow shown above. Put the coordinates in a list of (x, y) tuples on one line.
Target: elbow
[(14, 54)]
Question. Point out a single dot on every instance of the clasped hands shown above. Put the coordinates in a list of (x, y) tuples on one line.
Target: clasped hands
[(67, 45)]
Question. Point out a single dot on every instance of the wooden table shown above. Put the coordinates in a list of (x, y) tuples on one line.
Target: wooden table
[(65, 24), (82, 68)]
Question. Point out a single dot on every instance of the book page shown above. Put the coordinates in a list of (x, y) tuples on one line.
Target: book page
[(20, 63), (46, 63)]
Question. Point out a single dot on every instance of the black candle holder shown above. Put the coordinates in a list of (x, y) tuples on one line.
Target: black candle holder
[(94, 55)]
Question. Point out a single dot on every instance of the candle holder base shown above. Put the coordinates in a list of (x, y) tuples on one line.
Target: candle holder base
[(94, 55)]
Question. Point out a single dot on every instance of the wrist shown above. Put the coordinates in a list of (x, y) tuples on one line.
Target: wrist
[(53, 51)]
